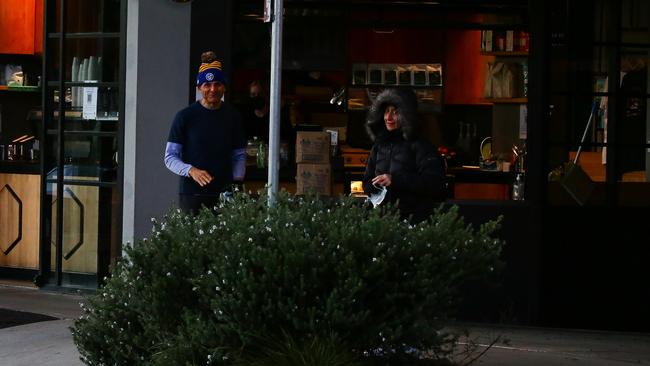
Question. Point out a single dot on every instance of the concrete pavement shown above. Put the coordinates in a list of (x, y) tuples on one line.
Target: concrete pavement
[(43, 343), (50, 343), (543, 346)]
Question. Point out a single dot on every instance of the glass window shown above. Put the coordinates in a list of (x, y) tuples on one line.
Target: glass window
[(599, 100)]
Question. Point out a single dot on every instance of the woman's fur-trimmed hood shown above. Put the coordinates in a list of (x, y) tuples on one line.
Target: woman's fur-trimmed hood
[(406, 103)]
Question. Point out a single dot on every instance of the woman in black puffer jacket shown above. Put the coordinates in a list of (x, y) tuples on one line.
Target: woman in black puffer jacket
[(401, 160)]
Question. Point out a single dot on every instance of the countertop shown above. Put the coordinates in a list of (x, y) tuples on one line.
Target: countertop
[(474, 175), (20, 167), (288, 172)]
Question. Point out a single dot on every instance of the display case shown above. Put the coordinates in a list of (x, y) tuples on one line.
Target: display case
[(366, 81), (82, 122)]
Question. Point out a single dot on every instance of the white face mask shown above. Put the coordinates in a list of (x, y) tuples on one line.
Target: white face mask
[(377, 198)]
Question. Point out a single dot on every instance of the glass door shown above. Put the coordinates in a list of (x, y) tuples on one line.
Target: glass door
[(82, 140), (599, 98)]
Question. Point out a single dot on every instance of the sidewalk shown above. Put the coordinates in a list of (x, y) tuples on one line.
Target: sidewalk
[(50, 343), (44, 343), (558, 347)]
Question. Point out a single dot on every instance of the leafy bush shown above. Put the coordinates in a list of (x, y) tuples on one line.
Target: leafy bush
[(217, 289)]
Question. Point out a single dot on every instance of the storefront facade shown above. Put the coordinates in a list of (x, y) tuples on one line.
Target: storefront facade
[(576, 249)]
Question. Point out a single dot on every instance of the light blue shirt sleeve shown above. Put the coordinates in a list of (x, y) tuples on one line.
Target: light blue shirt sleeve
[(238, 164), (173, 160)]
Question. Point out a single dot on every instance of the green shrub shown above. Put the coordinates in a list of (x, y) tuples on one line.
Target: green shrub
[(216, 289)]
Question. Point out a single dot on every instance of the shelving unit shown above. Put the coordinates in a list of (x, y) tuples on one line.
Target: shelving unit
[(81, 174), (505, 53), (430, 97), (509, 114)]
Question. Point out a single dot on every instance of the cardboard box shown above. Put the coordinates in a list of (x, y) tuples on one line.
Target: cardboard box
[(314, 178), (312, 147), (354, 158)]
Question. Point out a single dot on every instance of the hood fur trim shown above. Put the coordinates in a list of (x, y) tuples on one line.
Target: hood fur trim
[(406, 103)]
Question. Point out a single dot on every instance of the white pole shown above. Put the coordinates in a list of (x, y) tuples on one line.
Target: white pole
[(276, 81)]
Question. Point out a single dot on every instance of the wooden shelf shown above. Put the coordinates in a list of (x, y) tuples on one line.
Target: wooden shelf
[(507, 100), (20, 89), (91, 35), (505, 53), (385, 86)]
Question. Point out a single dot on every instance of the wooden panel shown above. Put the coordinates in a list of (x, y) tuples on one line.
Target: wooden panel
[(27, 188), (80, 228), (17, 26), (38, 27), (481, 191), (410, 46), (464, 80)]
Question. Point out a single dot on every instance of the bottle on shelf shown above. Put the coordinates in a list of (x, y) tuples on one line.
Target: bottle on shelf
[(261, 154), (74, 78), (518, 187)]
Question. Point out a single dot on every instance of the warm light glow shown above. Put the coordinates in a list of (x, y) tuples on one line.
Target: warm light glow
[(356, 186)]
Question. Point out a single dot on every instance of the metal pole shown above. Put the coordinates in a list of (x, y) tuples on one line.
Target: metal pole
[(60, 152), (276, 81), (594, 108)]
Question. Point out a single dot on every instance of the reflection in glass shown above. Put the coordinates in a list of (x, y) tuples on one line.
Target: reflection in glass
[(86, 59), (79, 254), (632, 124), (88, 19)]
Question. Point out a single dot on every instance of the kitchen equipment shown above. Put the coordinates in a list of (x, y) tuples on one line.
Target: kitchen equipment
[(11, 152), (486, 148)]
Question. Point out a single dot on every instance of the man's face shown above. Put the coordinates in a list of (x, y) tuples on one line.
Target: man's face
[(255, 91), (212, 91)]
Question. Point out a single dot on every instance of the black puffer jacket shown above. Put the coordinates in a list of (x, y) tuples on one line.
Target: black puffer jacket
[(416, 169)]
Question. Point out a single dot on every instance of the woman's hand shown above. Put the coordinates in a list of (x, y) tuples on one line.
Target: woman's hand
[(382, 180), (200, 176)]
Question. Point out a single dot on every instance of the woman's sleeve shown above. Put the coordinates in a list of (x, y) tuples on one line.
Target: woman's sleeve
[(370, 172)]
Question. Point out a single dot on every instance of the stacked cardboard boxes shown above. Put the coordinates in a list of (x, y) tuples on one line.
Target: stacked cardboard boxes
[(314, 173)]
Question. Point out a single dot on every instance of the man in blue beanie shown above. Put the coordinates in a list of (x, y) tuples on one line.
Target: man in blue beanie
[(207, 143)]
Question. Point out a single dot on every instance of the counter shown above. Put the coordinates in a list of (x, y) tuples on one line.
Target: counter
[(256, 178), (479, 184), (20, 167)]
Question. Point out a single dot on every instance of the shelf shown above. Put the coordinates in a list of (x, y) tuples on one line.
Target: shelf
[(84, 133), (103, 84), (505, 53), (71, 116), (507, 100), (79, 182), (384, 86), (92, 35), (21, 89)]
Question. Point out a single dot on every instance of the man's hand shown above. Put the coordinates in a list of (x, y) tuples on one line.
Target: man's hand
[(200, 176), (382, 180)]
